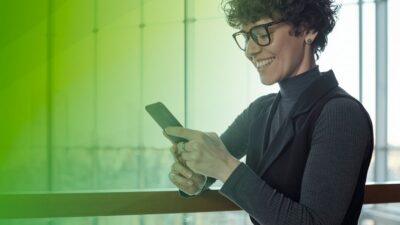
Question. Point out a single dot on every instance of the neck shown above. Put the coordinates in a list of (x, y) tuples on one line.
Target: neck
[(307, 63)]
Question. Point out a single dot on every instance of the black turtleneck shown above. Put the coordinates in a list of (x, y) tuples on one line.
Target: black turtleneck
[(290, 89)]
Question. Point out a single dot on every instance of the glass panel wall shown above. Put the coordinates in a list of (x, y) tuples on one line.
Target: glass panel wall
[(341, 53), (23, 79), (214, 218), (393, 75), (386, 214), (77, 75)]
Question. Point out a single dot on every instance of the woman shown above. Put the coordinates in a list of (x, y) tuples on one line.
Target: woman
[(307, 148)]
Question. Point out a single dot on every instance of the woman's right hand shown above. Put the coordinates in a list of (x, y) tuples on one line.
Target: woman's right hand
[(184, 178)]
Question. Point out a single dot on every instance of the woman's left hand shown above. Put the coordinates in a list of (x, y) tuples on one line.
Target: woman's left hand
[(204, 153)]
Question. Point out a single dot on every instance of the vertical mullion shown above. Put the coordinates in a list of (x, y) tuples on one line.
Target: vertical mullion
[(360, 49), (49, 99), (95, 31), (141, 75), (141, 146), (95, 146), (189, 39), (381, 91), (188, 48), (185, 60)]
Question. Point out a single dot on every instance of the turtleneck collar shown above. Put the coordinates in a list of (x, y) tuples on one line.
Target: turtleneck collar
[(292, 87)]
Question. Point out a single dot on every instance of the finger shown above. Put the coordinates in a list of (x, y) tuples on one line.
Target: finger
[(181, 169), (187, 156), (182, 147), (179, 148), (180, 180), (212, 134), (177, 156), (185, 133), (174, 153), (191, 164)]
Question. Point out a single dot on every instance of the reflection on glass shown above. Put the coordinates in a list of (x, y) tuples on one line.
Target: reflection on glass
[(382, 214), (393, 170), (393, 73), (387, 214), (214, 218), (341, 54)]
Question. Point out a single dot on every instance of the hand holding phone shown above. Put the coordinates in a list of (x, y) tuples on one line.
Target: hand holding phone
[(164, 118)]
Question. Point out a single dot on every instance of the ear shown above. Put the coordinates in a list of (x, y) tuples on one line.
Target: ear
[(310, 36)]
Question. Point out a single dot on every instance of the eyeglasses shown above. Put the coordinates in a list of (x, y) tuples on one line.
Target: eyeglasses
[(260, 35)]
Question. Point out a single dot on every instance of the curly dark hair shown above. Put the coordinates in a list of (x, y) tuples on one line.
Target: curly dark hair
[(303, 15)]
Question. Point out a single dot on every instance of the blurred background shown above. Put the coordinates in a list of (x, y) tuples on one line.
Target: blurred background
[(76, 75)]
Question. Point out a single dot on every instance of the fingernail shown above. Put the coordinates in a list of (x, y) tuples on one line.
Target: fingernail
[(166, 130), (190, 182)]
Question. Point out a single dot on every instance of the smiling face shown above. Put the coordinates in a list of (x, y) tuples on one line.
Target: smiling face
[(286, 56)]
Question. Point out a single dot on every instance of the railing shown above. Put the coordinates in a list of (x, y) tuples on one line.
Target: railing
[(141, 203)]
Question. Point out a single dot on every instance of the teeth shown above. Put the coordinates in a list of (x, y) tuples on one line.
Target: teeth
[(266, 62)]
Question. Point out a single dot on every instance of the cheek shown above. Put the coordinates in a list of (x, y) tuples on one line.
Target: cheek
[(291, 54)]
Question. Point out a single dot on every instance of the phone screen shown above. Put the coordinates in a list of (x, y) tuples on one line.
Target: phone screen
[(164, 118)]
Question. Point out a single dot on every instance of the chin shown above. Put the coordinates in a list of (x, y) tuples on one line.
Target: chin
[(266, 80)]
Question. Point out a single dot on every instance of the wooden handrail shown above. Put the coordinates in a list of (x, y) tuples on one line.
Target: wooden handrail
[(141, 202), (382, 193)]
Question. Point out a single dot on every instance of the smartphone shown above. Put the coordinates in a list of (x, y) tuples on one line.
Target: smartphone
[(164, 118)]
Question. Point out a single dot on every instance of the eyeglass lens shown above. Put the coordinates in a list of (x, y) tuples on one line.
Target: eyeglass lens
[(259, 34)]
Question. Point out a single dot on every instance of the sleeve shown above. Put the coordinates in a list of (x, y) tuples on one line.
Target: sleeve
[(339, 141), (235, 137)]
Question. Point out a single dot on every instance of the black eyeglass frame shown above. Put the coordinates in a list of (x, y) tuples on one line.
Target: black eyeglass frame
[(253, 35)]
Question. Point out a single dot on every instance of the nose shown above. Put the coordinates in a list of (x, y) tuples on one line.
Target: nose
[(252, 48)]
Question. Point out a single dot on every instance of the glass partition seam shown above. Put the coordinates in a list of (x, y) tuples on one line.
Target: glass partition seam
[(49, 100), (185, 22), (188, 48), (141, 71), (360, 48), (141, 100), (94, 140), (210, 18), (188, 22), (381, 90), (163, 24)]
